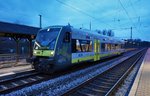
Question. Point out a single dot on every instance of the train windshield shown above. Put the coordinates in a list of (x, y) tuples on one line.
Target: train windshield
[(46, 39)]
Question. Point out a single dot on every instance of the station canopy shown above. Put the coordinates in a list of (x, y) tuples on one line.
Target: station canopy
[(17, 30)]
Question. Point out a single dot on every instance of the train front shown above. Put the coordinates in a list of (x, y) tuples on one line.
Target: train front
[(44, 49)]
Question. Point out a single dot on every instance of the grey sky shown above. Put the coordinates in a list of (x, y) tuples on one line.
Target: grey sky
[(103, 14)]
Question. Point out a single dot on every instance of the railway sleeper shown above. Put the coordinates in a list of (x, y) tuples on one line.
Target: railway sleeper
[(101, 87), (89, 91), (110, 78), (102, 83), (103, 79)]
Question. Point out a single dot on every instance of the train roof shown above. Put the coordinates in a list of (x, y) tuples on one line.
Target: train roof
[(81, 33)]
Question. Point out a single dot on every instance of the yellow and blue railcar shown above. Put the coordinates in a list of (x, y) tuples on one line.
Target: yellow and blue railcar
[(58, 47)]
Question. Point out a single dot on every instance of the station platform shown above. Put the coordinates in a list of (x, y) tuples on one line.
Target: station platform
[(12, 68), (141, 85)]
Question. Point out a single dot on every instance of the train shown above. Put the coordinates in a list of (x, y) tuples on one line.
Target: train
[(59, 47)]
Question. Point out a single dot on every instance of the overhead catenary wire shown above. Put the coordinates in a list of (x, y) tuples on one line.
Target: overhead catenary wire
[(138, 17), (126, 11), (134, 26), (85, 13), (82, 12)]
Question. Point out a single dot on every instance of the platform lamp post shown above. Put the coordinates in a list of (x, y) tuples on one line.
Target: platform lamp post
[(40, 20), (17, 39), (131, 34), (90, 25), (30, 45)]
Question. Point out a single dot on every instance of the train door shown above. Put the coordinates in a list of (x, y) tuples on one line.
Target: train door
[(67, 47), (99, 49), (64, 50), (96, 50)]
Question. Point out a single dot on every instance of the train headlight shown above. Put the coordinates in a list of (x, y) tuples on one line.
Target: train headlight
[(34, 52), (52, 52)]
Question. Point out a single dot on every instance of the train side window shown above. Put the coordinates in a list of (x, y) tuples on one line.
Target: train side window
[(116, 46), (78, 46), (121, 46), (73, 44), (90, 47), (107, 47), (86, 45), (67, 37), (103, 47), (81, 45)]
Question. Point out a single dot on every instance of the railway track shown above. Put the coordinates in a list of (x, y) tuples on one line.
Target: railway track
[(16, 75), (21, 80), (107, 83)]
